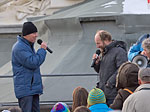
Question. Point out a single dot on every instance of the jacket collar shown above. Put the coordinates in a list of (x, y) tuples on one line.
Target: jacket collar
[(142, 86), (24, 40), (108, 47), (115, 43)]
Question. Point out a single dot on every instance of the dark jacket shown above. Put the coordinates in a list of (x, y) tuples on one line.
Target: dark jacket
[(127, 78), (26, 68), (114, 55)]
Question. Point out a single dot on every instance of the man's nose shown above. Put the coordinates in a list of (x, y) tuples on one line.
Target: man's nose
[(36, 35)]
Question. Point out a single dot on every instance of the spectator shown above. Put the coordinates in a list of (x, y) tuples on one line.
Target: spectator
[(139, 100), (97, 101), (13, 109), (113, 54), (82, 109), (136, 48), (80, 96), (146, 50), (60, 107), (126, 82), (5, 111)]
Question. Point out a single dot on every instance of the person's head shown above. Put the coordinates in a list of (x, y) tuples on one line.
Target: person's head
[(102, 39), (14, 109), (29, 31), (127, 75), (80, 96), (82, 109), (96, 96), (146, 47), (144, 76), (60, 107)]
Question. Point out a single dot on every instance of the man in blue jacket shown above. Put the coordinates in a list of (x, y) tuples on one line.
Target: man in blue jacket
[(136, 48), (26, 68)]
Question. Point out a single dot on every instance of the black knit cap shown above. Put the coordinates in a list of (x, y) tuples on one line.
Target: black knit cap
[(28, 28)]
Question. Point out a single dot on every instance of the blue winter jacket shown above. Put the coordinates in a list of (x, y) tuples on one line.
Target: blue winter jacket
[(136, 48), (26, 68), (101, 107)]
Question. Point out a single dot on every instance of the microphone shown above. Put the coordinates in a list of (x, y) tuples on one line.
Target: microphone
[(39, 41), (94, 60)]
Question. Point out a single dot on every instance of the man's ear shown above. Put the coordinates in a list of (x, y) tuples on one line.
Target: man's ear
[(139, 81)]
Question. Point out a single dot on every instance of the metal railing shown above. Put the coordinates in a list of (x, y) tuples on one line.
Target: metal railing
[(69, 102), (53, 75)]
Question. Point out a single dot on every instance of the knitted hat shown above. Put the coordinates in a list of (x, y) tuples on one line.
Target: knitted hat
[(28, 28), (60, 107), (96, 96)]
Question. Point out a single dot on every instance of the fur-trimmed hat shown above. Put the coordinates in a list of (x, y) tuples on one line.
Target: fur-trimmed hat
[(127, 75)]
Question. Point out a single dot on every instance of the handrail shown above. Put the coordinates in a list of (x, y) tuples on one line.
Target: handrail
[(53, 75), (69, 102)]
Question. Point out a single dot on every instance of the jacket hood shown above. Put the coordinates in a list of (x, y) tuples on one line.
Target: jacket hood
[(127, 75), (115, 43), (143, 37)]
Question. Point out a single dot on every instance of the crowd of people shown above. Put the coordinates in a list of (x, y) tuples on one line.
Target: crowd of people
[(122, 85)]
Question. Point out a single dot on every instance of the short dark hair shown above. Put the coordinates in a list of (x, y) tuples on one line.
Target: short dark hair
[(144, 74)]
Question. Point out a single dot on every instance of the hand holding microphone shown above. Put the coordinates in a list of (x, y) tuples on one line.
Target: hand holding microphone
[(44, 45), (95, 57)]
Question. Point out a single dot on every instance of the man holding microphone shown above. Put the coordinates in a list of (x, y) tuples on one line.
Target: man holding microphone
[(112, 55), (26, 68)]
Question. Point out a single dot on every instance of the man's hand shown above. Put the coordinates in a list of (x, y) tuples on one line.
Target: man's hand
[(96, 57), (143, 53), (44, 45)]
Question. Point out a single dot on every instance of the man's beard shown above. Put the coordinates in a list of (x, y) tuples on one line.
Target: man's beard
[(102, 47)]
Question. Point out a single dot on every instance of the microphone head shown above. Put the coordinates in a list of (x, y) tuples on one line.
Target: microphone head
[(98, 52), (39, 41)]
